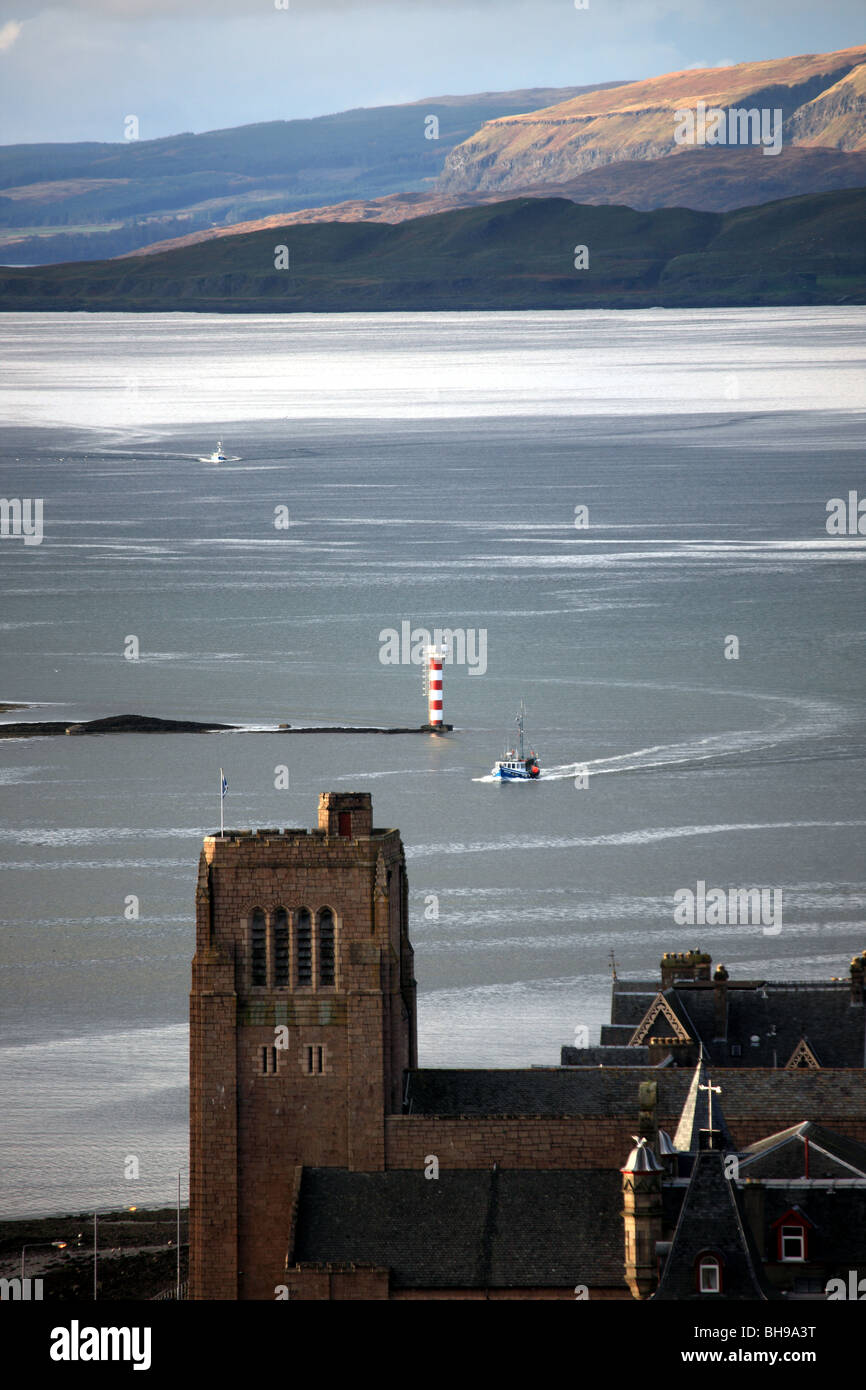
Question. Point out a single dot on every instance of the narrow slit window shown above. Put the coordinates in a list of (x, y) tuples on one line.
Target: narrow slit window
[(258, 950), (281, 948), (309, 1060), (320, 1059), (305, 947), (326, 948)]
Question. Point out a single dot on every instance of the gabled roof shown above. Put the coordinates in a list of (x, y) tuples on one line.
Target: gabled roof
[(783, 1155), (711, 1221), (803, 1056), (506, 1228), (665, 1015)]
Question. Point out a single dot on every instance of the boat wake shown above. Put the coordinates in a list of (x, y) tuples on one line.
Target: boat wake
[(808, 720)]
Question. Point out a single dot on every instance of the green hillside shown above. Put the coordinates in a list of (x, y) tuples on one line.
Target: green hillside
[(518, 254)]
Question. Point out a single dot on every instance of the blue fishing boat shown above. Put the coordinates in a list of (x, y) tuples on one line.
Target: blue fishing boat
[(517, 765)]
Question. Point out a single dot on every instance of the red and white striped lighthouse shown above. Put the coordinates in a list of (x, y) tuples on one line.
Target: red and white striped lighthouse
[(434, 657)]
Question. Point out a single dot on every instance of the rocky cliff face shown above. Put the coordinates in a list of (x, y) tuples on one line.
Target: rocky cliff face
[(637, 121), (837, 118)]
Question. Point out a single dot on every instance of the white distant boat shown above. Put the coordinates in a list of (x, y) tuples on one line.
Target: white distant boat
[(218, 456)]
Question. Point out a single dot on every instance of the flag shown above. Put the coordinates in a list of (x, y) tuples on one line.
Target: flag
[(223, 783)]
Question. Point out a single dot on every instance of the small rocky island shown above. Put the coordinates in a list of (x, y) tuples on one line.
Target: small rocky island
[(148, 724)]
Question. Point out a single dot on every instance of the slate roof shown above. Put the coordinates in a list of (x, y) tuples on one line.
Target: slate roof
[(711, 1220), (618, 1056), (505, 1228), (783, 1155), (540, 1091), (630, 1000), (779, 1014), (612, 1034), (822, 1013)]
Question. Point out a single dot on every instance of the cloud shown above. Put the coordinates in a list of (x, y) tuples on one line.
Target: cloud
[(9, 33)]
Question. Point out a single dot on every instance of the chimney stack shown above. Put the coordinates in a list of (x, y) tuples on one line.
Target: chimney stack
[(684, 965)]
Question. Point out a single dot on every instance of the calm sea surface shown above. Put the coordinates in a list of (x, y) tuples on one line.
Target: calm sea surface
[(431, 466)]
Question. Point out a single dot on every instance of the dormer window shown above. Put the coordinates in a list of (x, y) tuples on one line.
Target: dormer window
[(792, 1237), (709, 1271), (792, 1243)]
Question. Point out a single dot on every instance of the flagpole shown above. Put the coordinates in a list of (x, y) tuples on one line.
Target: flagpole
[(222, 795)]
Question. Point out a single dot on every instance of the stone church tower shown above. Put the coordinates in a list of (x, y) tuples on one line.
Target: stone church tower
[(302, 1023)]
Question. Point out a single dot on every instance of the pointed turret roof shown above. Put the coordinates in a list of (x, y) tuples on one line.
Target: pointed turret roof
[(696, 1113), (711, 1223)]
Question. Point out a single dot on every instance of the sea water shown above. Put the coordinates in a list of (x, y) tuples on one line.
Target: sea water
[(431, 469)]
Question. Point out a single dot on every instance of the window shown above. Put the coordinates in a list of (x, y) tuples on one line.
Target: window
[(305, 948), (344, 826), (792, 1243), (736, 1049), (314, 1059), (269, 1061), (326, 948), (258, 950), (281, 948), (709, 1274)]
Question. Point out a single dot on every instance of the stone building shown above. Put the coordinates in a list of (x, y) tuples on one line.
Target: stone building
[(324, 1164)]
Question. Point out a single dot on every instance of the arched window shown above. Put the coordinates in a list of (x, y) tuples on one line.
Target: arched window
[(258, 949), (326, 948), (709, 1274), (304, 967), (281, 948)]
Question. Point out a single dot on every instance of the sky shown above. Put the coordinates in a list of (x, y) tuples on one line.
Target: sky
[(76, 70)]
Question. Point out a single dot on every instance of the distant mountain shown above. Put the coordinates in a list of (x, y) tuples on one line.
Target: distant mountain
[(821, 97), (518, 254), (716, 180), (71, 201)]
